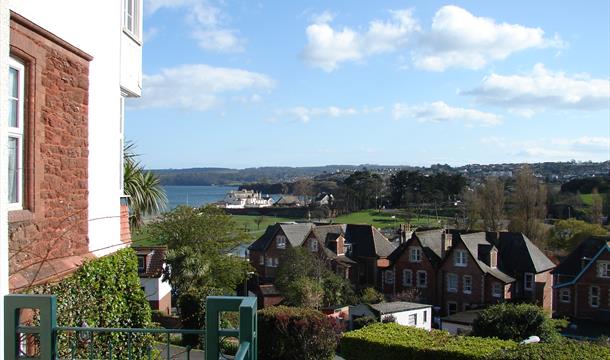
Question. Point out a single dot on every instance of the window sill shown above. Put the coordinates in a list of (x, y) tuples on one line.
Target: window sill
[(20, 216), (132, 36)]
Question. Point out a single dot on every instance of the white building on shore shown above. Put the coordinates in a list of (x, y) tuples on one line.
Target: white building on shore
[(241, 199)]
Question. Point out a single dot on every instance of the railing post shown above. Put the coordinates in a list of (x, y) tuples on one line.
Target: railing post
[(211, 323), (246, 306), (47, 307), (247, 326)]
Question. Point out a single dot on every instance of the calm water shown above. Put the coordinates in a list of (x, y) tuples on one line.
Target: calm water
[(195, 195), (198, 195)]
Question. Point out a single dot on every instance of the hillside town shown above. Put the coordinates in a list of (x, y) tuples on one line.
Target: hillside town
[(502, 254)]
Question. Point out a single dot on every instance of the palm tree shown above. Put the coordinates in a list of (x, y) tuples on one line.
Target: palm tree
[(145, 194)]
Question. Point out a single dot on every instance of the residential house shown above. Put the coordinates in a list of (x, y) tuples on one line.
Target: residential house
[(241, 199), (460, 323), (458, 272), (355, 252), (324, 199), (402, 313), (151, 268), (582, 281), (289, 201)]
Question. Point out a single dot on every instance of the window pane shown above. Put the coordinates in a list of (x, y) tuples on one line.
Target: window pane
[(13, 81), (13, 171), (13, 112)]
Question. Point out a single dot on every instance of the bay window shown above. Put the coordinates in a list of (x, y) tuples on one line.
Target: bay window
[(15, 134)]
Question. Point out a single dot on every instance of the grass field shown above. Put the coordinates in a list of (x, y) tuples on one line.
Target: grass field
[(587, 199), (380, 219)]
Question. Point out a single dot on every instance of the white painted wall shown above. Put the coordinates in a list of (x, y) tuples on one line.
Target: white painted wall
[(4, 51), (95, 26), (155, 289), (402, 317)]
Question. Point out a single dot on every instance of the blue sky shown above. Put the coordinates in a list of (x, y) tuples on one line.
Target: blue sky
[(301, 83)]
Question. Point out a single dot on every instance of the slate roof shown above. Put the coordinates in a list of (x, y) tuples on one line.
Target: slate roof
[(463, 318), (329, 232), (431, 244), (472, 242), (295, 233), (288, 200), (517, 254), (155, 259), (396, 306), (367, 241), (588, 248)]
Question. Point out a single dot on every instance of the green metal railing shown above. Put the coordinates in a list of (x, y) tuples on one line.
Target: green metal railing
[(47, 341)]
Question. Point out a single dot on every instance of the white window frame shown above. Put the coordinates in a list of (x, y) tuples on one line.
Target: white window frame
[(603, 269), (496, 289), (261, 259), (132, 12), (268, 261), (389, 277), (460, 258), (425, 283), (280, 242), (407, 274), (532, 281), (276, 262), (450, 287), (467, 289), (142, 258), (412, 320), (313, 245), (565, 295), (594, 300), (18, 132), (415, 254)]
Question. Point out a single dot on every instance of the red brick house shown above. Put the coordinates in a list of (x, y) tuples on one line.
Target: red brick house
[(461, 271), (582, 281)]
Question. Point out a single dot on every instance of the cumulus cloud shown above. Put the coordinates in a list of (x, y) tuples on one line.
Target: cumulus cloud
[(208, 24), (198, 87), (439, 111), (328, 47), (458, 38), (543, 89)]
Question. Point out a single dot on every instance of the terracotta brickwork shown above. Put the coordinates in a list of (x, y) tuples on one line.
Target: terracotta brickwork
[(53, 222), (125, 231)]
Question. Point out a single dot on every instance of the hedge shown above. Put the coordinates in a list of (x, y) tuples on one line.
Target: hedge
[(566, 350), (396, 342), (289, 333), (103, 292)]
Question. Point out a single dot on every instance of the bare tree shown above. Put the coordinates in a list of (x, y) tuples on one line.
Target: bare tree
[(597, 207), (470, 211), (492, 199), (529, 200)]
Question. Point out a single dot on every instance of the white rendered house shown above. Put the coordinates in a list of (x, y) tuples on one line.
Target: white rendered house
[(402, 312)]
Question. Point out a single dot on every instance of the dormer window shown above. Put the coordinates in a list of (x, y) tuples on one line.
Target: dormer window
[(313, 245), (348, 248), (141, 263), (280, 242), (603, 269), (528, 281), (460, 258)]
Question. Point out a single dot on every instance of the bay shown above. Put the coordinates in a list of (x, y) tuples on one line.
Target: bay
[(198, 195)]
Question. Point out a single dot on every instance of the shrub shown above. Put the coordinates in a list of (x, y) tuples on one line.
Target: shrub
[(567, 350), (363, 321), (388, 319), (396, 342), (104, 292), (515, 322), (296, 334), (371, 296)]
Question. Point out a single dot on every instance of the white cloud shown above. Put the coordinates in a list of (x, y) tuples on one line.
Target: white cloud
[(327, 47), (207, 22), (306, 114), (198, 87), (458, 38), (439, 111), (595, 148), (543, 89)]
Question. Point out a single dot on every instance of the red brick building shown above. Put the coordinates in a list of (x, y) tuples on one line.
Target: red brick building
[(458, 272), (582, 282)]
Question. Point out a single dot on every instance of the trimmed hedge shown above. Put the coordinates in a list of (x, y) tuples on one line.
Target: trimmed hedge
[(103, 292), (296, 334), (566, 350), (396, 342)]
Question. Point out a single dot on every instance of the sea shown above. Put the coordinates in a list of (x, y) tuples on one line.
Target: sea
[(198, 195)]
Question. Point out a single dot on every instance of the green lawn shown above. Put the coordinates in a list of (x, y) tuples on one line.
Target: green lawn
[(587, 199), (248, 223), (388, 218)]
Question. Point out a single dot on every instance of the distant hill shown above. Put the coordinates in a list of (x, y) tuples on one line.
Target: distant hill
[(550, 171)]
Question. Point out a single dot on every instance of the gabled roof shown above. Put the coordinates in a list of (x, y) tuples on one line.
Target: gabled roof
[(327, 233), (295, 233), (472, 242), (517, 254), (588, 248), (602, 249), (430, 241), (155, 259), (367, 241)]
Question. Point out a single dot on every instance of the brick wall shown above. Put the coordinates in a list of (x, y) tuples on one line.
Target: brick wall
[(53, 223), (590, 278), (125, 231)]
